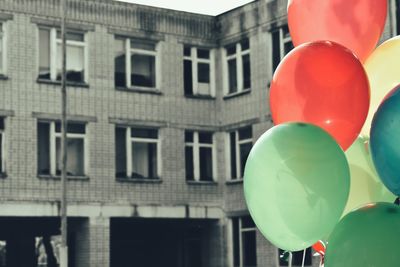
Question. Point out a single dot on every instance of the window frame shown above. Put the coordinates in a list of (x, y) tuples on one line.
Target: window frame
[(196, 145), (238, 56), (3, 57), (242, 230), (283, 40), (129, 140), (53, 135), (195, 60), (54, 42), (238, 142), (129, 51)]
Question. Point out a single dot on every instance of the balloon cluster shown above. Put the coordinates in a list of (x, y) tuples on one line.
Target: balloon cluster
[(312, 176)]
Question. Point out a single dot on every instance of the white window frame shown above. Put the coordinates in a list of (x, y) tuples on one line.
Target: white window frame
[(195, 60), (239, 68), (129, 149), (3, 26), (196, 145), (237, 153), (128, 64), (240, 239), (53, 147), (283, 41), (54, 42)]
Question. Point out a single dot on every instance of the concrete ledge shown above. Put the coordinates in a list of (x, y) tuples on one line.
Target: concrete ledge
[(51, 209)]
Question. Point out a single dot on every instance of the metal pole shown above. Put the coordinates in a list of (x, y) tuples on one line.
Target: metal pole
[(64, 244), (304, 258)]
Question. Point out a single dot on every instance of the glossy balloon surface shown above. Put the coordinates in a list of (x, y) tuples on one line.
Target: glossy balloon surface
[(296, 184), (355, 24), (322, 83)]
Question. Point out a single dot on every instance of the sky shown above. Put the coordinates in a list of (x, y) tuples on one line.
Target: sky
[(209, 7)]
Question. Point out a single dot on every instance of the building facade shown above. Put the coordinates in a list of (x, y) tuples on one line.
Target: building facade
[(163, 107)]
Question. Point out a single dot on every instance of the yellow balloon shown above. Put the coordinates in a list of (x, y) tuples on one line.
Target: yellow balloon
[(365, 184), (383, 70)]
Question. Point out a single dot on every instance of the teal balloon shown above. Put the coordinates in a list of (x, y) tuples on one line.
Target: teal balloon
[(385, 141), (296, 184), (366, 237)]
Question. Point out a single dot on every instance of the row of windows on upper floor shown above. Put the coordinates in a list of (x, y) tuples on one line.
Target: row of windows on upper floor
[(138, 155), (137, 62)]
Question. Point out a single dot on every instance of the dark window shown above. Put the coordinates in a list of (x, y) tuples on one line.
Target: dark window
[(398, 16), (187, 51), (188, 78), (246, 72), (144, 133), (143, 45), (244, 242), (144, 160), (205, 138), (297, 258), (120, 63), (206, 163), (203, 53), (236, 245), (232, 73), (43, 135), (1, 143), (1, 48), (231, 49), (280, 39), (203, 72), (120, 152), (240, 150), (196, 82), (232, 139), (189, 163), (143, 70)]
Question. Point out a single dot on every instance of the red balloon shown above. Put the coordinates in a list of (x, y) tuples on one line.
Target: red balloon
[(322, 83), (320, 248), (355, 24)]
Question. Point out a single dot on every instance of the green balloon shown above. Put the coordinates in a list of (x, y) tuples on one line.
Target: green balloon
[(365, 185), (296, 184), (368, 236)]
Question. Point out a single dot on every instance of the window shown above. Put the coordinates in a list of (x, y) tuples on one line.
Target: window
[(244, 242), (398, 17), (238, 67), (240, 143), (297, 258), (199, 156), (281, 45), (198, 71), (2, 148), (136, 63), (2, 48), (50, 55), (49, 149), (137, 153)]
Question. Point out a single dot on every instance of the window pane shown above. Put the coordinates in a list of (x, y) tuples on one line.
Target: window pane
[(144, 133), (72, 36), (288, 46), (75, 156), (75, 63), (144, 160), (246, 72), (135, 44), (245, 44), (244, 153), (143, 70), (206, 164), (1, 123), (186, 51), (232, 76), (230, 49), (205, 138), (1, 153), (43, 143), (188, 78), (120, 152), (232, 140), (245, 133), (235, 239), (1, 47), (203, 72), (298, 257), (44, 54), (78, 128), (247, 222), (188, 136), (189, 163), (203, 53), (249, 249), (398, 16), (120, 63), (276, 49)]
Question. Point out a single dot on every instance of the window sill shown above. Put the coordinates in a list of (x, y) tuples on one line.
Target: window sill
[(72, 84), (140, 180), (233, 95), (3, 77), (58, 178), (201, 182), (236, 181), (139, 90), (202, 97)]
